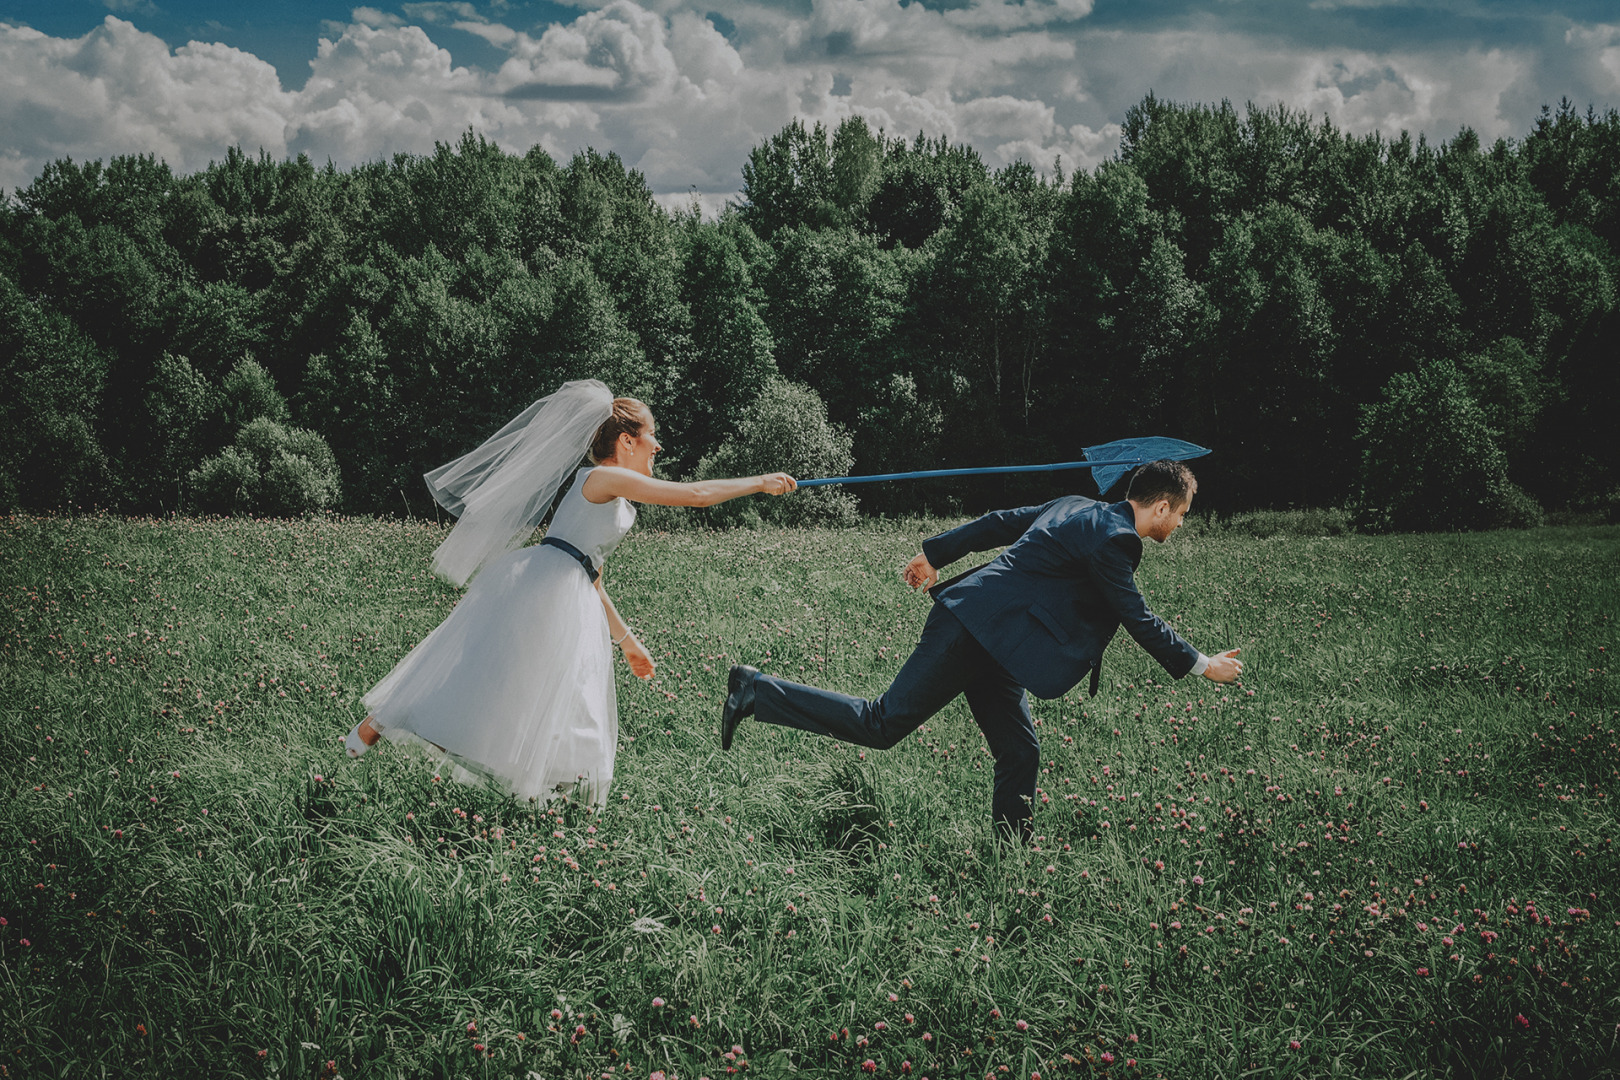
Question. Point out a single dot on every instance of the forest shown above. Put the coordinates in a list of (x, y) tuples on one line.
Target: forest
[(1421, 333)]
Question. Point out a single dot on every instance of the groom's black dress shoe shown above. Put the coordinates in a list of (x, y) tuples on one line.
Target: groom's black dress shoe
[(739, 701)]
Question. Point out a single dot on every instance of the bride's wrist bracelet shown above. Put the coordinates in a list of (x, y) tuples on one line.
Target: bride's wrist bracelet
[(626, 634)]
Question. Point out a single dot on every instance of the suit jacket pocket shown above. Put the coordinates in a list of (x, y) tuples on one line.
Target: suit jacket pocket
[(1048, 620)]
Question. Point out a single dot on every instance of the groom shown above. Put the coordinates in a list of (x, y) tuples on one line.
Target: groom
[(1038, 616)]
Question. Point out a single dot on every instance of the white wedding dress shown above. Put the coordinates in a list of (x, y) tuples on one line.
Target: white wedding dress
[(517, 684)]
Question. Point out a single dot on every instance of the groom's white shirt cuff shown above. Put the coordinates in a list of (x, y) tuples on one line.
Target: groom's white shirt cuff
[(1200, 665)]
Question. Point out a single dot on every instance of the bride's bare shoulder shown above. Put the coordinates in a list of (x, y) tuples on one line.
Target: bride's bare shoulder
[(608, 482)]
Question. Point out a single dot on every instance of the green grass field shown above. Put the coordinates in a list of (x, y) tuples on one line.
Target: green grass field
[(1389, 852)]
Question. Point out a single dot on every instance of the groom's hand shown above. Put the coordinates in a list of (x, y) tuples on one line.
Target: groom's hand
[(919, 573), (1224, 668)]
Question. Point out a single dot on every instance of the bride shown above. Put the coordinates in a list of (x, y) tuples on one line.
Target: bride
[(516, 685)]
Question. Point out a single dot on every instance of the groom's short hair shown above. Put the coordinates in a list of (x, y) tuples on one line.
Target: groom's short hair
[(1162, 479)]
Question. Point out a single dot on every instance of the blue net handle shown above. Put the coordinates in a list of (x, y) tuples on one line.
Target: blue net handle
[(1108, 463)]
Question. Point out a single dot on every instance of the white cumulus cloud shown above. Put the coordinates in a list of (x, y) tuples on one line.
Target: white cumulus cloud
[(117, 90), (657, 82)]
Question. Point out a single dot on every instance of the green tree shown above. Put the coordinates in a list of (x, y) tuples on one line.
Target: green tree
[(900, 430), (920, 186), (785, 429), (184, 411), (731, 345), (353, 394), (51, 375), (270, 469), (249, 393), (976, 312), (1269, 375), (1126, 325), (788, 182), (1431, 461), (857, 167), (629, 243), (831, 302)]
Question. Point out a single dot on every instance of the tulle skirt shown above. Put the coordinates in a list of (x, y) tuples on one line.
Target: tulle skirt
[(516, 686)]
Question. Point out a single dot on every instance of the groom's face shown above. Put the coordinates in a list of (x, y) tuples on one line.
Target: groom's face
[(1167, 518)]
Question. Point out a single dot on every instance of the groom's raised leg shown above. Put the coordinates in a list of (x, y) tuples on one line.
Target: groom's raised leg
[(936, 672)]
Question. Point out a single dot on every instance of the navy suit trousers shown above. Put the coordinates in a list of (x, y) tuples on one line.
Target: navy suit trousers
[(947, 661)]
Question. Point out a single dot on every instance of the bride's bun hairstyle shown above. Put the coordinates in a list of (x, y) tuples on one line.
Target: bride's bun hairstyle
[(629, 417)]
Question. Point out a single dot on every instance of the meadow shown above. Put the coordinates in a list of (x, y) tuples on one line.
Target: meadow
[(1388, 852)]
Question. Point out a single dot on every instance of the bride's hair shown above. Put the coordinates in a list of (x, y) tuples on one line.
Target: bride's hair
[(629, 417)]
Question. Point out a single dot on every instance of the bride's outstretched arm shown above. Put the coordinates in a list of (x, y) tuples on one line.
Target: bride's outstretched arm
[(610, 482), (635, 654)]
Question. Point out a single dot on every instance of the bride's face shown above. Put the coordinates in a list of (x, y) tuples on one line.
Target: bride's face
[(637, 453)]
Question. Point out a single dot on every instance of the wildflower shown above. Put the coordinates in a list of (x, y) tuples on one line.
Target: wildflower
[(658, 1003), (1107, 1057), (995, 1014), (140, 1029), (471, 1028), (1520, 1022), (1022, 1025), (1293, 1044), (880, 1026), (1197, 880), (1423, 972), (869, 1066)]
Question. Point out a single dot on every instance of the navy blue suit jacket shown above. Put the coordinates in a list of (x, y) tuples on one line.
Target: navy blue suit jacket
[(1047, 607)]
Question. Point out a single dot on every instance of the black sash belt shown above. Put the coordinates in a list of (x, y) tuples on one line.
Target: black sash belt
[(574, 553)]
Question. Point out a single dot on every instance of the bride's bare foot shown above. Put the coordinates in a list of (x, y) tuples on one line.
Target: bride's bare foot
[(368, 732)]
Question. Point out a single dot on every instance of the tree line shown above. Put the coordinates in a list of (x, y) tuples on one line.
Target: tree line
[(1422, 332)]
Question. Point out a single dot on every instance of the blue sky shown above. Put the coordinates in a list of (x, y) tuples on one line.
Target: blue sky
[(681, 89)]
